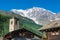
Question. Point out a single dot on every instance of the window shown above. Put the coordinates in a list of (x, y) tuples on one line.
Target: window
[(52, 33), (55, 33), (11, 22)]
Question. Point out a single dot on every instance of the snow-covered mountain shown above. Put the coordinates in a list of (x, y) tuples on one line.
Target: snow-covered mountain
[(57, 17), (39, 15)]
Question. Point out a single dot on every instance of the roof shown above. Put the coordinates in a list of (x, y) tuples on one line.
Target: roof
[(14, 18), (53, 24), (33, 30)]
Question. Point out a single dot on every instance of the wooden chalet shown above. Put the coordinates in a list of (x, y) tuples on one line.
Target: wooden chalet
[(52, 30)]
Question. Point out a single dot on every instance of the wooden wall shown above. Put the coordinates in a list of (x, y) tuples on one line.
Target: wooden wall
[(55, 35), (26, 34)]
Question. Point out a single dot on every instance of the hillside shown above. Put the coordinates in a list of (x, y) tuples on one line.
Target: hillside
[(4, 23)]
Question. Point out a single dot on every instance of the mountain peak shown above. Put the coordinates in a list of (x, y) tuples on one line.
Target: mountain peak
[(39, 15), (39, 8)]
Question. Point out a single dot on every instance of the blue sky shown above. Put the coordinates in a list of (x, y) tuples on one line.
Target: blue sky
[(53, 5)]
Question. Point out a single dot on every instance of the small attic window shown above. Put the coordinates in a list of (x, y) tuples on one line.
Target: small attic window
[(52, 33)]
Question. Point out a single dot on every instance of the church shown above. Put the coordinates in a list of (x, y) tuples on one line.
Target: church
[(17, 33)]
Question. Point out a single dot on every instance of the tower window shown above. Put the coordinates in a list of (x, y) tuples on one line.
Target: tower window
[(11, 22)]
